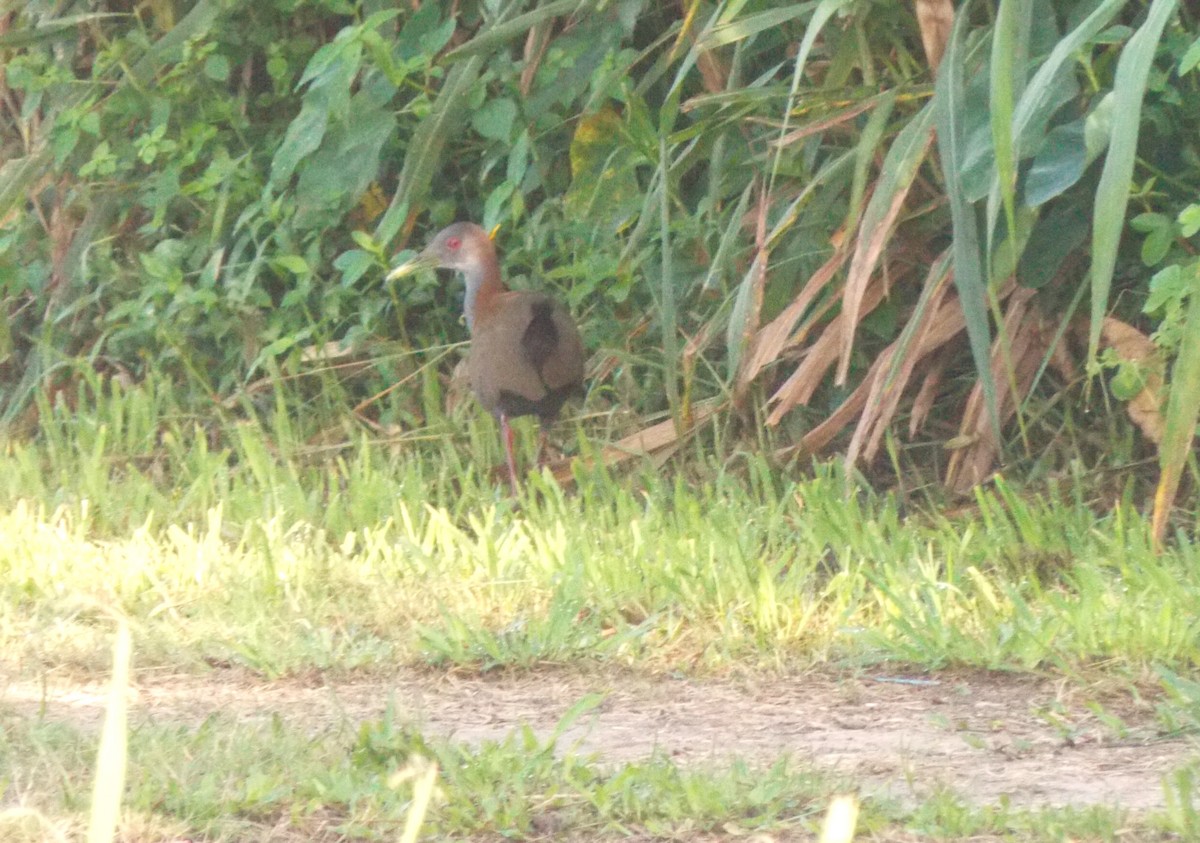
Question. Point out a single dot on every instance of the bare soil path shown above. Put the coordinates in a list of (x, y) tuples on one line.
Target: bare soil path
[(982, 735)]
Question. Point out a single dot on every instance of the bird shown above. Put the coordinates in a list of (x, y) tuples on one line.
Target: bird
[(526, 356)]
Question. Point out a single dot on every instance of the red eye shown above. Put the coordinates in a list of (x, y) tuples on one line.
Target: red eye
[(453, 243)]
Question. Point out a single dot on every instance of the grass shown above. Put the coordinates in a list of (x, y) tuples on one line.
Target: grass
[(229, 780), (240, 545)]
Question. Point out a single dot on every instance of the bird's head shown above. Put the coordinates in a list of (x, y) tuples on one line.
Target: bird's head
[(463, 246)]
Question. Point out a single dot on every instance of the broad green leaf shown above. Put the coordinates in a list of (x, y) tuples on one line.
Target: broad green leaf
[(494, 205), (1112, 194), (518, 159), (1054, 82), (1058, 165), (341, 171), (1160, 234), (604, 184), (216, 67), (979, 158), (495, 119), (353, 263), (327, 98), (1128, 381), (1054, 237)]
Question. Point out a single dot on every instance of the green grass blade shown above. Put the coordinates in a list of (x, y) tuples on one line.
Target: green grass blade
[(668, 313), (1010, 43), (425, 151), (736, 30), (968, 262), (820, 17), (59, 29), (1112, 194), (501, 32)]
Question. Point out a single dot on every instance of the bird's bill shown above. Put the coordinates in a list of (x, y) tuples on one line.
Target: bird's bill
[(421, 261)]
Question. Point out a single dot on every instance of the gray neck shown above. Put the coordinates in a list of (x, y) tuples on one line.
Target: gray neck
[(474, 279)]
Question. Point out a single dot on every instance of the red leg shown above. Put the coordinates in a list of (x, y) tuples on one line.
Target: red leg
[(507, 432)]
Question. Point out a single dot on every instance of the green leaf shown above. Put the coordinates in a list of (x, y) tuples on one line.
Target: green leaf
[(216, 67), (1189, 220), (1159, 232), (1058, 165), (303, 136), (1054, 82), (1010, 52), (294, 264), (1183, 409), (949, 106), (1054, 237), (425, 148), (366, 241), (502, 31), (353, 263), (740, 28), (494, 206), (1112, 194), (604, 185), (1128, 382), (1157, 244), (1191, 58), (1168, 288), (495, 119)]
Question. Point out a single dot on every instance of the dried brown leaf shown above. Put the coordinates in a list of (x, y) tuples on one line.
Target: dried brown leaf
[(658, 441), (845, 115), (536, 42), (773, 337), (935, 18), (884, 399), (1029, 336), (819, 358), (867, 249), (1145, 409), (923, 403)]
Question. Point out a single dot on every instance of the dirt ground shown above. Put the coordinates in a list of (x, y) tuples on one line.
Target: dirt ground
[(981, 735)]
